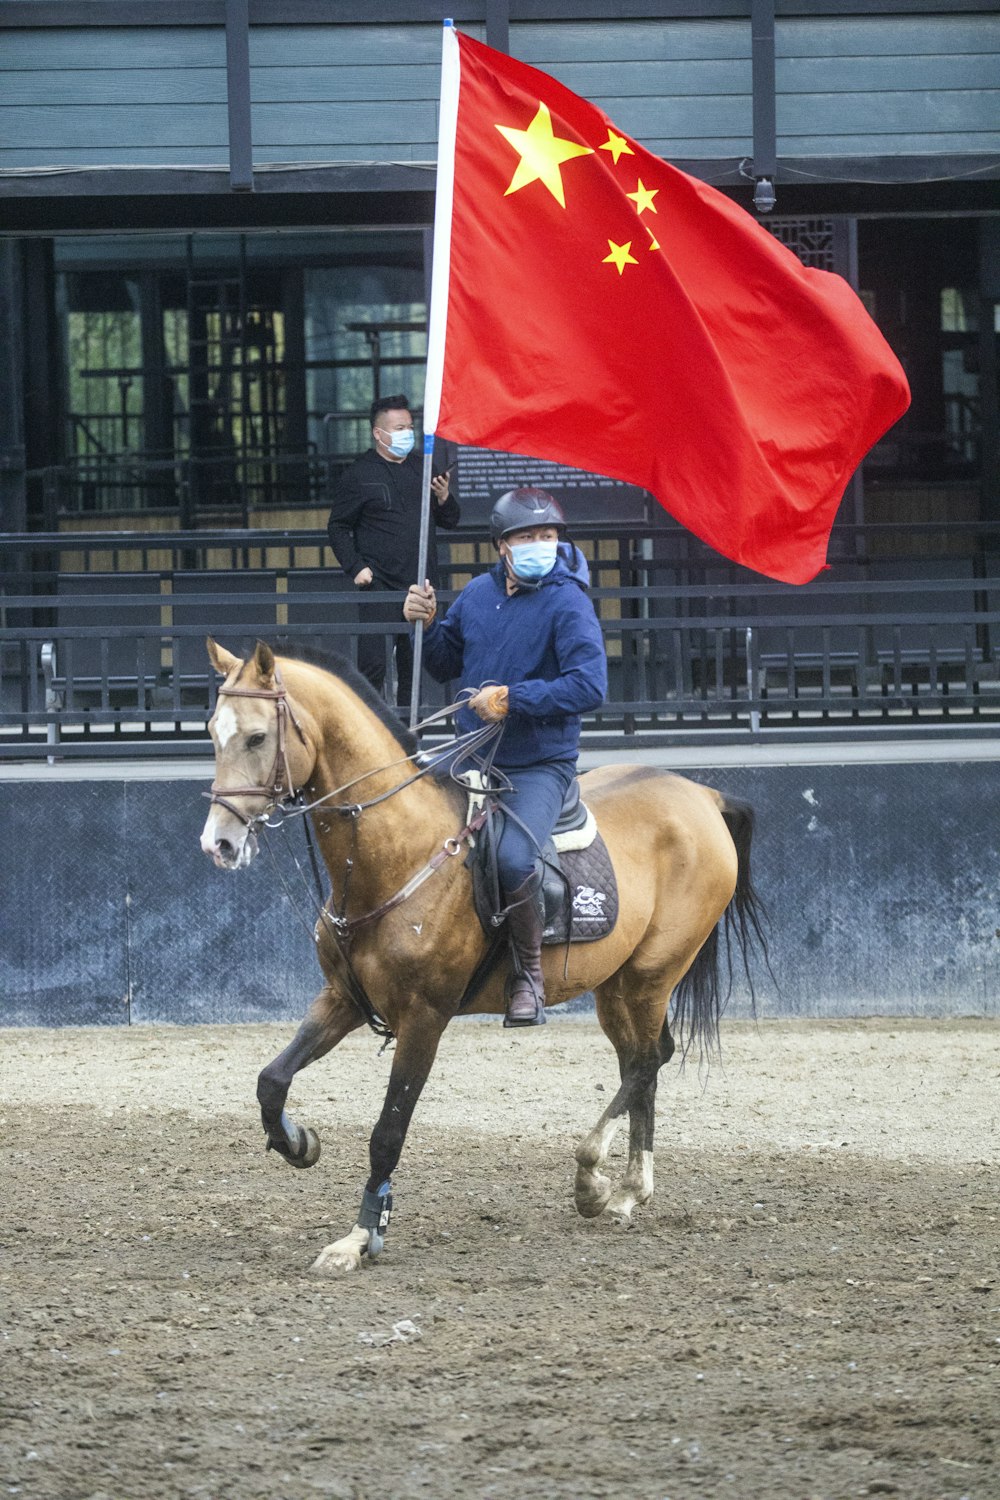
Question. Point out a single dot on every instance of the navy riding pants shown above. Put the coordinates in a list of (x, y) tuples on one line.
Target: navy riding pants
[(537, 799)]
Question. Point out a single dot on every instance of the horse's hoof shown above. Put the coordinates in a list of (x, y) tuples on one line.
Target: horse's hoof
[(310, 1155), (342, 1255), (591, 1193), (330, 1261), (620, 1208), (305, 1150)]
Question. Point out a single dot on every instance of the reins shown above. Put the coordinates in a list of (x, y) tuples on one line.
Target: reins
[(280, 791)]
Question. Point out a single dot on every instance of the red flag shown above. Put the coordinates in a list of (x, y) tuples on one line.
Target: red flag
[(594, 306)]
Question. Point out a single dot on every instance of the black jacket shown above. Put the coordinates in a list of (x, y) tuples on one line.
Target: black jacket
[(375, 520)]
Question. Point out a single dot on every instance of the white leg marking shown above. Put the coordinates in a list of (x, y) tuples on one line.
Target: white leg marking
[(592, 1189), (636, 1188), (594, 1150), (343, 1255)]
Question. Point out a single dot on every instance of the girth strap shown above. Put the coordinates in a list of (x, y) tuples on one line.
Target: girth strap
[(449, 849), (342, 928)]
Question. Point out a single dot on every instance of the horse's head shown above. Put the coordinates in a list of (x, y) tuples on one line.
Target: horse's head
[(263, 753)]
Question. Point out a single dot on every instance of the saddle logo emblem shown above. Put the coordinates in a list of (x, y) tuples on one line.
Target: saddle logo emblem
[(589, 903)]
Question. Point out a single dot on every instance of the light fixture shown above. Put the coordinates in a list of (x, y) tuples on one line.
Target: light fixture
[(763, 195)]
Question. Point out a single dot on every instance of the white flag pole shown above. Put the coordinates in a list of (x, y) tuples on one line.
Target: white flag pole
[(438, 312)]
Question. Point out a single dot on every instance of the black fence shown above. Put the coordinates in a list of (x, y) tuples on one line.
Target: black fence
[(226, 487), (102, 636)]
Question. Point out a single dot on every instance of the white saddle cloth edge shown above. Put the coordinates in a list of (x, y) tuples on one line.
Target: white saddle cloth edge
[(576, 838)]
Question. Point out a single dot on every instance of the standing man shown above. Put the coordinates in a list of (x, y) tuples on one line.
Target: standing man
[(374, 528), (525, 639)]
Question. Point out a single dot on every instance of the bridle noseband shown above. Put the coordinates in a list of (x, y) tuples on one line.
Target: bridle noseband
[(279, 785)]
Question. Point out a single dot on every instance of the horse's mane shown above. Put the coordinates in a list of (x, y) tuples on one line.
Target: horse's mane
[(339, 666)]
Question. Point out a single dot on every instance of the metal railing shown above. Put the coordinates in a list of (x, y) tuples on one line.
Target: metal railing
[(102, 637)]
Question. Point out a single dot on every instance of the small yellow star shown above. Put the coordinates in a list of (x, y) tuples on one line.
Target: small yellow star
[(617, 145), (542, 153), (654, 243), (620, 256), (644, 198)]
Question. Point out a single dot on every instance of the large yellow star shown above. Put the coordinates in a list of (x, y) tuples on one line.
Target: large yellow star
[(542, 153), (617, 145), (620, 256), (643, 197)]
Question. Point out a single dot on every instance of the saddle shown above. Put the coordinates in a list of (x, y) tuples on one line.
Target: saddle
[(578, 895)]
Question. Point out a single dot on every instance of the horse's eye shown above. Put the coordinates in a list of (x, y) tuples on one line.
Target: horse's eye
[(255, 741)]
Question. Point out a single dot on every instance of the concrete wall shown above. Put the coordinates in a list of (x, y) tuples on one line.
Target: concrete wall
[(883, 881)]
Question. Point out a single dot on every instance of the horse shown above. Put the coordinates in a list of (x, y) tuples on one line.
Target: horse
[(399, 923)]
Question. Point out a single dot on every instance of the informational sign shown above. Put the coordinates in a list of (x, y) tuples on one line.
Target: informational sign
[(484, 474)]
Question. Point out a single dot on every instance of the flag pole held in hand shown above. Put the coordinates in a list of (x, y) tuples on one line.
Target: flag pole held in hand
[(425, 532), (448, 117)]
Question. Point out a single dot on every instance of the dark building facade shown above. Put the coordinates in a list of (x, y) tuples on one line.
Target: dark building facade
[(215, 230), (214, 224)]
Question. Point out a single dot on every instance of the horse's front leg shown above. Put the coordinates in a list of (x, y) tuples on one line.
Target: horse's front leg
[(329, 1019), (416, 1047)]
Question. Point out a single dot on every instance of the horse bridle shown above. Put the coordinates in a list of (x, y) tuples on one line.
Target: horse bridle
[(279, 785), (280, 788)]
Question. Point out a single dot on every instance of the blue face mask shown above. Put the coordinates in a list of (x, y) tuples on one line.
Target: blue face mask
[(400, 443), (533, 560)]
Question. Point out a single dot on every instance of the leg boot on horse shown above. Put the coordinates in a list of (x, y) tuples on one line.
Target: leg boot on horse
[(525, 988)]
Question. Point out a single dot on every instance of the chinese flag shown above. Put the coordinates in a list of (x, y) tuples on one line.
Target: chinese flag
[(594, 306)]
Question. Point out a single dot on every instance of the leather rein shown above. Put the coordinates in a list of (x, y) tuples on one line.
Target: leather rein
[(280, 789)]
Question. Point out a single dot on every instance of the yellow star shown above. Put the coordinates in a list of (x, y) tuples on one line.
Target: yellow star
[(620, 256), (541, 154), (644, 198), (654, 243), (617, 145)]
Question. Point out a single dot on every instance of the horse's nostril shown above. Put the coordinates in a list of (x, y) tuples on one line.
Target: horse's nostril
[(226, 849)]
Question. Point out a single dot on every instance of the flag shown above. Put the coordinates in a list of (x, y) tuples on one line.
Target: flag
[(594, 306)]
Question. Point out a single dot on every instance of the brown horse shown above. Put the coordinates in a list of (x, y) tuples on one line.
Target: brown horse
[(398, 936)]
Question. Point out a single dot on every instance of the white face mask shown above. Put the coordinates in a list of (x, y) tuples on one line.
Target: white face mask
[(400, 443), (531, 560)]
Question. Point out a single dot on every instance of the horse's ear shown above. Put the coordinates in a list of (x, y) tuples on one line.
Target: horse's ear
[(222, 660), (263, 658)]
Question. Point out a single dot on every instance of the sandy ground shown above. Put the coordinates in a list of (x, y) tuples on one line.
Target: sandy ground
[(810, 1307)]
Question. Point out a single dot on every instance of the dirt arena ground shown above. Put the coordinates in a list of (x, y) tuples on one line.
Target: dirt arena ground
[(809, 1309)]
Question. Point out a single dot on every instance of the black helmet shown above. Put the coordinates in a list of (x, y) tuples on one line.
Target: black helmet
[(519, 509)]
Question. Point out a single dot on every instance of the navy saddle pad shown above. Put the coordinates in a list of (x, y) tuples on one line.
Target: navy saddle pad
[(579, 889)]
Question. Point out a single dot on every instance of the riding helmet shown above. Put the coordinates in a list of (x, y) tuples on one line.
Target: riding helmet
[(525, 507)]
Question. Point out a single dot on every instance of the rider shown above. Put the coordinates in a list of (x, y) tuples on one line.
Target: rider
[(525, 639)]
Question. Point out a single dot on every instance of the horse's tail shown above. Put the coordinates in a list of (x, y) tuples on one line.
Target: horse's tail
[(704, 992)]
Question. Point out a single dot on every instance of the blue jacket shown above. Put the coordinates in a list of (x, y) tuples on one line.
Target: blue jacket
[(544, 644)]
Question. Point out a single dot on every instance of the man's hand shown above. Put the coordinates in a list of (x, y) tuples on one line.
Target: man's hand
[(363, 579), (439, 487), (420, 603), (490, 703)]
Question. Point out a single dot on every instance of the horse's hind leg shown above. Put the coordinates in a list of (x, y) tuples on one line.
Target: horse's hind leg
[(329, 1019), (639, 1033), (636, 1186)]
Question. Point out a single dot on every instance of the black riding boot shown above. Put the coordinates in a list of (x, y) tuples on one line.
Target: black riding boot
[(525, 990)]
